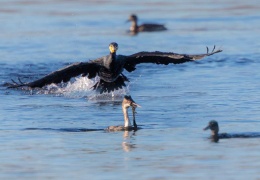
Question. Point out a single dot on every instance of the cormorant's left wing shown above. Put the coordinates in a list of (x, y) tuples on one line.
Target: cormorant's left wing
[(165, 58)]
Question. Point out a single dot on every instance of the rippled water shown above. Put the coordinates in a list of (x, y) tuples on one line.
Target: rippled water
[(48, 133)]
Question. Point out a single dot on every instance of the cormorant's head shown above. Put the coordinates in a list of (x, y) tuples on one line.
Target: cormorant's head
[(213, 126), (129, 102), (113, 47), (132, 17)]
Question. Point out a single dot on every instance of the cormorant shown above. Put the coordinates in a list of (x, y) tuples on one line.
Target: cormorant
[(109, 68), (144, 27), (127, 102), (215, 136)]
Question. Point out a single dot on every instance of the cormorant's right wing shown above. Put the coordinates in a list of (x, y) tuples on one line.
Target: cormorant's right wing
[(165, 58), (63, 75)]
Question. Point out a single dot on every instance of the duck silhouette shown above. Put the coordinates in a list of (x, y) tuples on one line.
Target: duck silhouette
[(215, 135)]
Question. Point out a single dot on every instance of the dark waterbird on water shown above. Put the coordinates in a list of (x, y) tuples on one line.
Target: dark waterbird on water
[(215, 136), (109, 68), (135, 28)]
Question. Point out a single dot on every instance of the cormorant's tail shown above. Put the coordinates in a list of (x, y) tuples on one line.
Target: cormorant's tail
[(103, 86)]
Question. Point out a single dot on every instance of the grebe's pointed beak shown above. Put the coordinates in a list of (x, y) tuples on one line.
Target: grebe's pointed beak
[(133, 104), (206, 128)]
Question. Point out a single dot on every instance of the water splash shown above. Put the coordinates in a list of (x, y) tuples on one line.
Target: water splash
[(82, 87)]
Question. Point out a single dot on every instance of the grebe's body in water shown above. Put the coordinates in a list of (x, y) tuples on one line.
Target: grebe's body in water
[(127, 102)]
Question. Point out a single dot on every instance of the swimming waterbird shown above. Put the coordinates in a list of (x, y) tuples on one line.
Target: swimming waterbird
[(127, 102), (135, 28), (215, 136)]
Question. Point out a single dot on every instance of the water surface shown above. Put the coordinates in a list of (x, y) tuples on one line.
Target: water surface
[(48, 133)]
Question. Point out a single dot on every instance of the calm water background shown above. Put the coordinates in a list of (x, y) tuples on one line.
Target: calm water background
[(40, 133)]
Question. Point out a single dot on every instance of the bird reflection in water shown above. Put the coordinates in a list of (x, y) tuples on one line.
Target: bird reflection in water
[(127, 145)]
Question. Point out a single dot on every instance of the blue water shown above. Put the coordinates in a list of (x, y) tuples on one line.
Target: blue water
[(44, 132)]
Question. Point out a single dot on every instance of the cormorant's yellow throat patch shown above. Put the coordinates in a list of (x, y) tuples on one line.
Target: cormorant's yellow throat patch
[(113, 47)]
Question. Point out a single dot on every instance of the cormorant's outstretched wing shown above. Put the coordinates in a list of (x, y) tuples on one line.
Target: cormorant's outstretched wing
[(162, 58), (63, 75)]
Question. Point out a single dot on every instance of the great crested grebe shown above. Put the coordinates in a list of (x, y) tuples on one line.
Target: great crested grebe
[(135, 28), (215, 136), (109, 68), (127, 102)]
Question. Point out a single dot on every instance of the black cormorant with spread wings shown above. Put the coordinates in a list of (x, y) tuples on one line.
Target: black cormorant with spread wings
[(110, 68)]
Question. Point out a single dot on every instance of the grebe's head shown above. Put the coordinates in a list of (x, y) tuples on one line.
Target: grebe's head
[(213, 126), (113, 47), (132, 17), (129, 102)]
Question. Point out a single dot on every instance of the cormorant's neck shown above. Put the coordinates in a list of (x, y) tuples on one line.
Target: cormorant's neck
[(113, 55), (126, 118), (109, 61)]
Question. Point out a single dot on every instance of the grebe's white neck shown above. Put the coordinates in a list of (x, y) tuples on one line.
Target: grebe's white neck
[(126, 118), (134, 26)]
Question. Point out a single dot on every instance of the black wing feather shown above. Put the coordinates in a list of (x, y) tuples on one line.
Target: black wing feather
[(63, 75), (165, 58)]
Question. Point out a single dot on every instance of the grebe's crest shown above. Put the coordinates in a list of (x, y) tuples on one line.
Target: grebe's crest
[(132, 17), (213, 126), (128, 101)]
